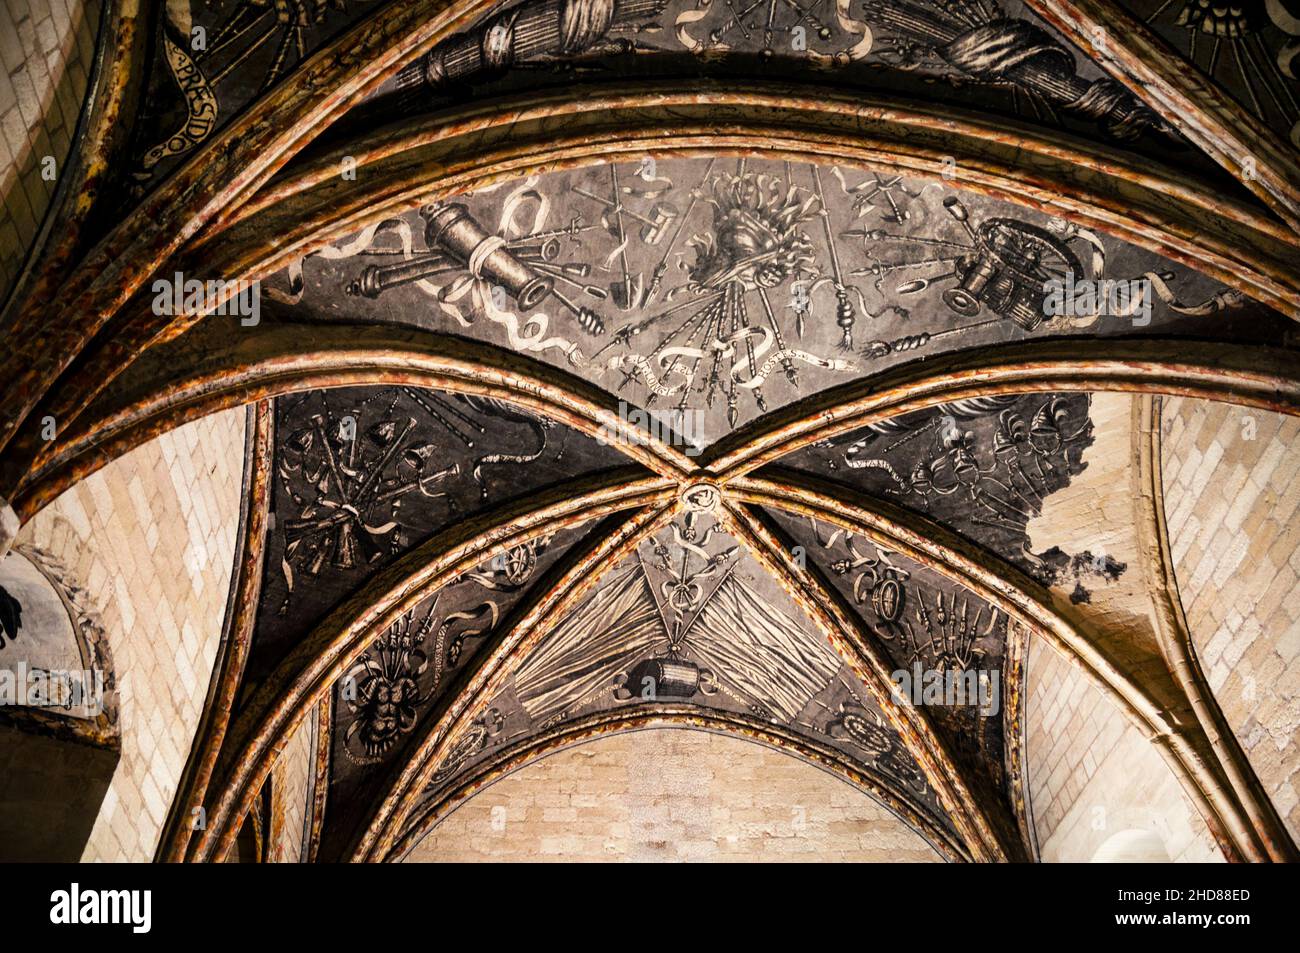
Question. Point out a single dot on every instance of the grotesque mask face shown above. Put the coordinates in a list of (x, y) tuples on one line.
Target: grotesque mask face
[(386, 709)]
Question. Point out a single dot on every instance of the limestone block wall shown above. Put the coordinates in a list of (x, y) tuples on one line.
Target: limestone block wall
[(290, 789), (1232, 491), (1092, 775), (1096, 517), (151, 538), (46, 51), (671, 795)]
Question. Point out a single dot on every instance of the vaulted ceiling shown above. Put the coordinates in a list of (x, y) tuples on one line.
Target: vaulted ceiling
[(636, 362)]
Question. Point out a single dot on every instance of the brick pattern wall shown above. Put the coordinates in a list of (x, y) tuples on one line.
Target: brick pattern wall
[(151, 538), (1093, 775), (671, 795), (290, 787), (1095, 515), (46, 51), (1232, 489)]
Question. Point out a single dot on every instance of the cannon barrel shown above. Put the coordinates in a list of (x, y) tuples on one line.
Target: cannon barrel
[(452, 230)]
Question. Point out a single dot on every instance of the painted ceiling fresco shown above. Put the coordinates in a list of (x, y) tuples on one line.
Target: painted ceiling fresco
[(691, 619), (918, 616), (211, 59), (364, 474), (1249, 49), (923, 620), (385, 700), (981, 467), (715, 290), (983, 55), (412, 661), (707, 291), (977, 53)]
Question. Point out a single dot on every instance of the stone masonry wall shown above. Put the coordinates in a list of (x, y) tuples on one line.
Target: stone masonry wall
[(1092, 774), (668, 795), (151, 537), (46, 51), (290, 788), (1232, 489)]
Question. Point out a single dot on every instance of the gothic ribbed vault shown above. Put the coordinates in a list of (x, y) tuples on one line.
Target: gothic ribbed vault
[(605, 365)]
